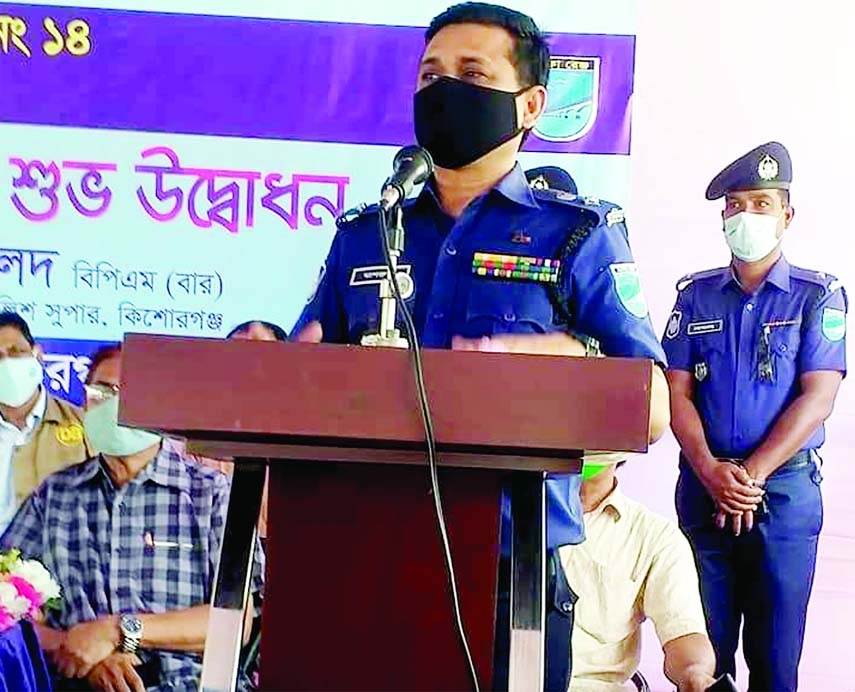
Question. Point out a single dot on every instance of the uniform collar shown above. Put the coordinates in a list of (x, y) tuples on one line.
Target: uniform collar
[(778, 276), (614, 504), (514, 187)]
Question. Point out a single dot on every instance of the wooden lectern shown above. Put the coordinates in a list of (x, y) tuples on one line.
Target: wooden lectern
[(356, 594)]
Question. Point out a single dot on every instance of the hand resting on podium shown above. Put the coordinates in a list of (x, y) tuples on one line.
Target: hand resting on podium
[(553, 344), (556, 343)]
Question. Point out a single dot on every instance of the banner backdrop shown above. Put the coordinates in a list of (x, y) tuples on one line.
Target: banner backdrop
[(178, 173)]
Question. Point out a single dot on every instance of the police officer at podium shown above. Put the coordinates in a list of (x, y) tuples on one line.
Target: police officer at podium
[(495, 264), (756, 354)]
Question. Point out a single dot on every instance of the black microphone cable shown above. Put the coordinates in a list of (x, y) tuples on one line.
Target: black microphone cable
[(415, 348)]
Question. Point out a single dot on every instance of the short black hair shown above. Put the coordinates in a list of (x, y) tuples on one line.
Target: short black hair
[(101, 354), (785, 196), (9, 318), (531, 51), (278, 332)]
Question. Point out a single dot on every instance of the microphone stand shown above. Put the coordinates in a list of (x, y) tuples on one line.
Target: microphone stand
[(388, 334)]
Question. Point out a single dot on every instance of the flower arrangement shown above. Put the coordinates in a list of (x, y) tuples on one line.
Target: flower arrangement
[(26, 589)]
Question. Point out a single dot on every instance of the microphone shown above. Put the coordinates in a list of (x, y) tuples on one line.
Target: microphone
[(412, 165)]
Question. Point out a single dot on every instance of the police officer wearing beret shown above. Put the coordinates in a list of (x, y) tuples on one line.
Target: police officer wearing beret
[(756, 354), (480, 89)]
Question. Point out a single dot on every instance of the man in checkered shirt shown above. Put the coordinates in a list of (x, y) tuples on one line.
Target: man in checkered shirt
[(133, 537)]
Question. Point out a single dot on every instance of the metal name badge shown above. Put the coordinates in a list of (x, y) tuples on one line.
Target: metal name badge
[(373, 275), (704, 327)]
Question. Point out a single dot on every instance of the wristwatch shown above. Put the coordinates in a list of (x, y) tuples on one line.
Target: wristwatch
[(131, 629)]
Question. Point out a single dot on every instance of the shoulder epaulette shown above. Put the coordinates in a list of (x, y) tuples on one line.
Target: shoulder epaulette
[(364, 210), (355, 213), (829, 282), (687, 280), (607, 212)]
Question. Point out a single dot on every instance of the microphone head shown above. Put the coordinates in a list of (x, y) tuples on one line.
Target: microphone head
[(416, 161)]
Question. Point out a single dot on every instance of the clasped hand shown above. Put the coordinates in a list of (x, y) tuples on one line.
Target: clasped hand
[(736, 494)]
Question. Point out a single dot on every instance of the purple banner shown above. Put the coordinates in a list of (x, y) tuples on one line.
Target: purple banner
[(273, 79)]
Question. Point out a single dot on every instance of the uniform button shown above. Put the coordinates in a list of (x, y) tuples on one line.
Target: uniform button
[(749, 307), (451, 250), (438, 315), (510, 317), (566, 606)]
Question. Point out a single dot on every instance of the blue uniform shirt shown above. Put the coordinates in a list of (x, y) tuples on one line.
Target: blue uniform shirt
[(598, 293), (748, 351)]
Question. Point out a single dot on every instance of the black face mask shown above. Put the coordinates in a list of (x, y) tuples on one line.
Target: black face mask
[(459, 122)]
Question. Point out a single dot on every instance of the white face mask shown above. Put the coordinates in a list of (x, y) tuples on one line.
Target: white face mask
[(101, 423), (19, 379), (751, 237)]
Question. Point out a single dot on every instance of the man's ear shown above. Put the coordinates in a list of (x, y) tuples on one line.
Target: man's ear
[(789, 213), (533, 105), (39, 353)]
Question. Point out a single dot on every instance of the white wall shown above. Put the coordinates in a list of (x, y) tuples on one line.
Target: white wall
[(713, 80)]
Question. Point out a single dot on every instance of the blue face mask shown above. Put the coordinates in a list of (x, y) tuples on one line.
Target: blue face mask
[(101, 423), (19, 379)]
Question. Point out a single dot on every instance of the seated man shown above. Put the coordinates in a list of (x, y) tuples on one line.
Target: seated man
[(633, 565), (133, 537), (39, 434)]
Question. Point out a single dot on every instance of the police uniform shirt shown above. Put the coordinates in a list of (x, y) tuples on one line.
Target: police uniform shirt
[(594, 287), (747, 352)]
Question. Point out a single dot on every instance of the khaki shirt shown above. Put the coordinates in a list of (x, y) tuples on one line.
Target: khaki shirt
[(634, 564), (56, 443)]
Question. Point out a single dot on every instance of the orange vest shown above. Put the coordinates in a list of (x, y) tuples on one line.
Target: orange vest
[(57, 442)]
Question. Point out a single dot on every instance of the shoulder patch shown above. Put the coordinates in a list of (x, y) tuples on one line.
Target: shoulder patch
[(833, 324), (70, 435), (688, 279), (628, 288)]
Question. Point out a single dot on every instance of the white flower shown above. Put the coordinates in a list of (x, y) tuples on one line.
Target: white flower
[(35, 573), (17, 606)]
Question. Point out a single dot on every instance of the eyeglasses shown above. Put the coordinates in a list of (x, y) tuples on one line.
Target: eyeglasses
[(96, 393), (15, 352)]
